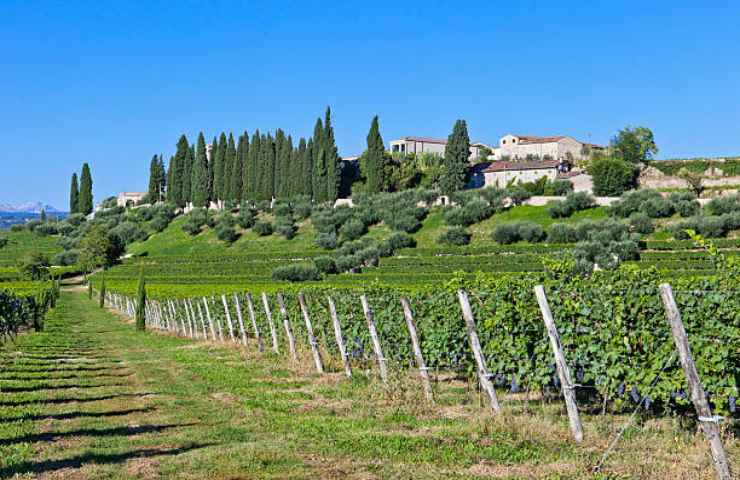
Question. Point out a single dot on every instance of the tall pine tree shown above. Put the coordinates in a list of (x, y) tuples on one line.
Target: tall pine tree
[(187, 173), (154, 180), (318, 162), (229, 167), (74, 194), (178, 167), (253, 167), (244, 181), (266, 169), (85, 199), (218, 168), (171, 180), (162, 175), (373, 161), (242, 146), (332, 159), (199, 179), (305, 152), (211, 169), (455, 161)]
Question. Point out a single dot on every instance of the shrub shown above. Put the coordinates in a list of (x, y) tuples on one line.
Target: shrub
[(226, 233), (385, 249), (722, 205), (657, 207), (455, 236), (612, 176), (406, 223), (3, 242), (558, 188), (326, 240), (531, 232), (455, 216), (325, 264), (282, 210), (286, 230), (401, 240), (296, 272), (302, 210), (195, 221), (75, 219), (159, 223), (632, 202), (641, 223), (559, 210), (245, 219), (687, 208), (353, 229), (17, 227), (347, 263), (518, 194), (562, 233), (262, 228), (66, 258), (128, 232), (506, 233), (46, 229)]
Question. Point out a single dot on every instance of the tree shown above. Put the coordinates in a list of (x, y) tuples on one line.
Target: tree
[(634, 145), (187, 173), (171, 181), (141, 303), (304, 167), (74, 194), (694, 180), (34, 266), (85, 199), (42, 217), (97, 248), (162, 176), (237, 174), (219, 161), (229, 167), (155, 182), (318, 163), (211, 169), (199, 179), (332, 159), (178, 167), (250, 187), (374, 159), (455, 162), (612, 176), (266, 168)]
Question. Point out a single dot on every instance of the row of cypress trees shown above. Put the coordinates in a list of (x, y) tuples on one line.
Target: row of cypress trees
[(262, 167), (81, 196)]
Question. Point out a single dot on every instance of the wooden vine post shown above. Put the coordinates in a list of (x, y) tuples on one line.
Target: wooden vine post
[(228, 317), (219, 329), (423, 369), (709, 423), (286, 325), (200, 315), (311, 337), (253, 317), (569, 393), (370, 318), (339, 337), (210, 320), (241, 319), (484, 377), (268, 314)]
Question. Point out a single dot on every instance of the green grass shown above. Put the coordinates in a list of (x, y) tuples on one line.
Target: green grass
[(24, 242), (90, 397)]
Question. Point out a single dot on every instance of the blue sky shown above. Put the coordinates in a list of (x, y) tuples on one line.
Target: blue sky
[(113, 83)]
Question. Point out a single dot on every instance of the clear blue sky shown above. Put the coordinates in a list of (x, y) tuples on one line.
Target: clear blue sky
[(113, 83)]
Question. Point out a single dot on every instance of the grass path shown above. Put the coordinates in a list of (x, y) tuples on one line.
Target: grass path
[(89, 397)]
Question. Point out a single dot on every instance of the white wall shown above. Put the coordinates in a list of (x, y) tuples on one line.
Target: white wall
[(501, 179)]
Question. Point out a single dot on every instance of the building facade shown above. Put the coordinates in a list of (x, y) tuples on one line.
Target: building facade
[(500, 174), (559, 147), (419, 145), (129, 198)]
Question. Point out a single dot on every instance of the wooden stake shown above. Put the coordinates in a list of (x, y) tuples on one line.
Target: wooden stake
[(569, 393), (253, 317), (286, 325), (484, 376), (190, 320), (423, 370), (369, 317), (709, 423), (241, 319), (273, 332), (218, 324), (210, 320), (339, 337), (311, 337), (228, 317)]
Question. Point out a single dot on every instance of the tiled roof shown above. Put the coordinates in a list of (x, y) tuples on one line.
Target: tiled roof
[(425, 140), (514, 166), (533, 139)]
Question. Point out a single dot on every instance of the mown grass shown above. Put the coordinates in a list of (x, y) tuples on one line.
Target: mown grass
[(95, 399)]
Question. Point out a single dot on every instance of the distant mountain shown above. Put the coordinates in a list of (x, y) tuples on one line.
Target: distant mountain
[(28, 207)]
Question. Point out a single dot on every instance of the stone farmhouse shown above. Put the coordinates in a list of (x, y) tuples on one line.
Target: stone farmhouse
[(500, 174), (419, 145), (527, 147)]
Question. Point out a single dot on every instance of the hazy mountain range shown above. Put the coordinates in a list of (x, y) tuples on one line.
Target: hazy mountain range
[(27, 207)]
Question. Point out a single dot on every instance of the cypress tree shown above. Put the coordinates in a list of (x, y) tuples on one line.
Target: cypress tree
[(74, 194), (267, 168), (281, 149), (253, 166), (333, 162), (373, 161), (171, 180), (242, 146), (141, 303), (187, 173), (229, 167), (318, 163), (455, 161), (199, 179), (178, 166), (305, 150), (154, 181), (211, 169), (85, 199), (162, 175), (244, 195), (218, 168)]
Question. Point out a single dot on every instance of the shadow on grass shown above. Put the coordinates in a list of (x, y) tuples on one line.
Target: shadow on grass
[(46, 386), (65, 376), (64, 369), (54, 401), (72, 415), (95, 458), (125, 431)]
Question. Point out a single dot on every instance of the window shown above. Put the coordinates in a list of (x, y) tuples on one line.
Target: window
[(504, 141), (513, 141)]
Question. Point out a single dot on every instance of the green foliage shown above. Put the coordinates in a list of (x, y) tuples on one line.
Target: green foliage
[(455, 236), (297, 272), (641, 223), (456, 156), (85, 199), (518, 194), (101, 296), (34, 266), (634, 145), (612, 176), (74, 194), (562, 233), (574, 202), (141, 304), (262, 228), (373, 161)]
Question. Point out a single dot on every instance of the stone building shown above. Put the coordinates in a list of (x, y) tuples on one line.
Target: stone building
[(559, 147), (500, 174), (419, 145)]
